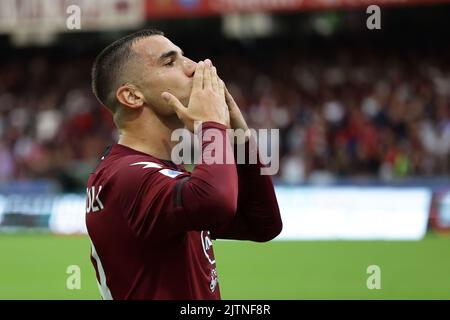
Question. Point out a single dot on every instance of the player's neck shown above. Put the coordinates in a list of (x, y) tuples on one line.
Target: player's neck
[(151, 135)]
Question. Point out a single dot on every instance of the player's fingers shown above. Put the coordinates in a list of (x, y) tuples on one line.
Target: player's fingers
[(214, 79), (221, 88), (207, 75), (229, 99), (174, 103), (198, 77)]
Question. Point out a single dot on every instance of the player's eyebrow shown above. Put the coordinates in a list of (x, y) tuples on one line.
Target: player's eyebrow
[(171, 53)]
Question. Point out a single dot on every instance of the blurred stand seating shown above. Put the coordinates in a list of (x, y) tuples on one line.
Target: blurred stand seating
[(355, 113)]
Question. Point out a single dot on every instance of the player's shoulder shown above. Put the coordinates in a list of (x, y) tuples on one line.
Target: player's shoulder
[(124, 163)]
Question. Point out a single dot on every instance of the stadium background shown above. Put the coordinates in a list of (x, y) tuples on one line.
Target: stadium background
[(364, 127)]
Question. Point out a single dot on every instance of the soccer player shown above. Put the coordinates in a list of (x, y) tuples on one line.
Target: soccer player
[(151, 222)]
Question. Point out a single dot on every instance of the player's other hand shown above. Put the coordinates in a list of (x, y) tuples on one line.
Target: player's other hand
[(237, 120), (207, 100)]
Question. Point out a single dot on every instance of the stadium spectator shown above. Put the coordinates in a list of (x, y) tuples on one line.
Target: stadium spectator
[(361, 114)]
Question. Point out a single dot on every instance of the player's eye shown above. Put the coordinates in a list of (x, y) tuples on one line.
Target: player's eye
[(170, 63)]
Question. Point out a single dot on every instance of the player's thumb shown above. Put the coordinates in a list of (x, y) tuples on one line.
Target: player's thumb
[(174, 103)]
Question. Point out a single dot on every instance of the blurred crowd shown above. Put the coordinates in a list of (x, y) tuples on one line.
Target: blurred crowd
[(343, 113)]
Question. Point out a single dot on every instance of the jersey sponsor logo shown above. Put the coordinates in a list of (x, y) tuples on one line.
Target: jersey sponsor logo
[(214, 280), (207, 246), (208, 251)]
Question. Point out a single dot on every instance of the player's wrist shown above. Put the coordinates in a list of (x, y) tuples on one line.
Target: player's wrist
[(213, 124)]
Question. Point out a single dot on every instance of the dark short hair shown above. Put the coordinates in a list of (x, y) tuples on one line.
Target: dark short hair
[(108, 67)]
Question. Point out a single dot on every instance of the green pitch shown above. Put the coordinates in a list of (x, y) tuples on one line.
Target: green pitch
[(33, 266)]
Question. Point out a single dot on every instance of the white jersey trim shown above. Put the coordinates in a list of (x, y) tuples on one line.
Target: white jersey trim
[(167, 172), (102, 286)]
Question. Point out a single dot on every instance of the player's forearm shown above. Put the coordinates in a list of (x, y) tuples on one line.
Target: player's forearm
[(257, 216), (260, 208), (210, 195), (257, 201)]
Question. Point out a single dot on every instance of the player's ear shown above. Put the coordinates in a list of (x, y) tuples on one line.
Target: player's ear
[(130, 96)]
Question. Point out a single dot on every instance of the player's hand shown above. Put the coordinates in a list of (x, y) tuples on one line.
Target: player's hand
[(237, 120), (207, 100)]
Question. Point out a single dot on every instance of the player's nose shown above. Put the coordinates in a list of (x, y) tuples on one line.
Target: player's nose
[(190, 67)]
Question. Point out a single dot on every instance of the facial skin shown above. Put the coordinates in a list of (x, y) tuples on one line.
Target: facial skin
[(145, 121), (159, 66)]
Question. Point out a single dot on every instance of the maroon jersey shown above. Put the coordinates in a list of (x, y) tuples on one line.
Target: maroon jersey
[(151, 223)]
